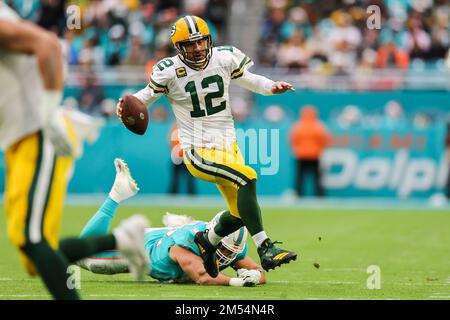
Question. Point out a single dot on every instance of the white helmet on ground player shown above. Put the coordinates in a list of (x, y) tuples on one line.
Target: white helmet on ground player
[(231, 245)]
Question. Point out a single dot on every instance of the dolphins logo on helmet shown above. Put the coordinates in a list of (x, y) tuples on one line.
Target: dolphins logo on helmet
[(231, 245)]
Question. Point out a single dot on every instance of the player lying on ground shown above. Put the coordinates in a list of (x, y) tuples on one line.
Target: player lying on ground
[(196, 83), (173, 254)]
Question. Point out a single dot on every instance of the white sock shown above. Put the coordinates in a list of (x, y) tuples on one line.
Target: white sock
[(213, 237), (113, 194), (122, 193), (259, 238)]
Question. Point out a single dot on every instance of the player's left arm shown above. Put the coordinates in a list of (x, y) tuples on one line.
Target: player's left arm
[(279, 87), (262, 85), (250, 264), (240, 74), (192, 265)]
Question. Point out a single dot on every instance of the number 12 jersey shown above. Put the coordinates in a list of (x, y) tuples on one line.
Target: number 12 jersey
[(200, 98)]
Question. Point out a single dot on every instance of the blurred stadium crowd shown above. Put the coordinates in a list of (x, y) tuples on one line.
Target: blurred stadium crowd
[(334, 35), (391, 80), (120, 32), (297, 36)]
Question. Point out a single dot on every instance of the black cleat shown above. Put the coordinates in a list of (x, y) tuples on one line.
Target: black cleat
[(207, 253), (272, 257)]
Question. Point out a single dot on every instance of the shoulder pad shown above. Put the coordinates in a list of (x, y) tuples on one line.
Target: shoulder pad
[(162, 73)]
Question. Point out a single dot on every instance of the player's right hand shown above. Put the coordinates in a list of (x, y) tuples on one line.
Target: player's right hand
[(119, 109), (55, 131), (250, 277)]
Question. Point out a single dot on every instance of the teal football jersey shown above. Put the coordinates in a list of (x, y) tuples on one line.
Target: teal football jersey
[(158, 242)]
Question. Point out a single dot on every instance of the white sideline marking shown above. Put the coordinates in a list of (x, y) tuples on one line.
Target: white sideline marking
[(273, 202)]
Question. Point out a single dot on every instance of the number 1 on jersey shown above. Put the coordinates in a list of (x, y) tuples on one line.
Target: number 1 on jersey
[(210, 109), (197, 112)]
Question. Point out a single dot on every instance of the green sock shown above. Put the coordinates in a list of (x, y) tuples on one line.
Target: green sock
[(227, 224), (249, 209), (75, 249), (52, 268)]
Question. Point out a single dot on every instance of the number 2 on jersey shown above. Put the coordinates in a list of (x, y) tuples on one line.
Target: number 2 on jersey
[(210, 108)]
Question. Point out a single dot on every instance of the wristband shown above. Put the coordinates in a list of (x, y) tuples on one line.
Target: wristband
[(236, 282)]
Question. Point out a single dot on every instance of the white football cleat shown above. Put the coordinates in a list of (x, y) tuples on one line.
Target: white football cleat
[(130, 243), (124, 186)]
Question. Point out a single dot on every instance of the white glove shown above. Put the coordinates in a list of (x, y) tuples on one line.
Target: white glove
[(53, 123), (246, 278)]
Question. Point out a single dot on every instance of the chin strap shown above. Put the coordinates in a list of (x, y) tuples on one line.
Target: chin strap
[(193, 64)]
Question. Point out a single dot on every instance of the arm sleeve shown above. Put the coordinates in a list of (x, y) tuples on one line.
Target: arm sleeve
[(156, 88), (147, 96), (240, 63), (255, 83)]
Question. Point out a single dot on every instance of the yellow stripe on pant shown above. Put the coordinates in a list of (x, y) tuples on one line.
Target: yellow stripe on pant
[(225, 168), (36, 182)]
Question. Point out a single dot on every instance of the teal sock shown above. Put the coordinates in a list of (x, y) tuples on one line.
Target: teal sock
[(99, 224), (249, 208), (52, 268), (94, 237)]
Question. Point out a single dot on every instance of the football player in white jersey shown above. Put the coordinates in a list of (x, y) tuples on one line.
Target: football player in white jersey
[(196, 83), (40, 146)]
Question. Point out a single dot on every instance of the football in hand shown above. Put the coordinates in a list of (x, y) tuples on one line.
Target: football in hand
[(134, 114)]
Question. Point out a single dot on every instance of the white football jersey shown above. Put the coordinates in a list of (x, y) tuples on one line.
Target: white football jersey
[(199, 98), (22, 90)]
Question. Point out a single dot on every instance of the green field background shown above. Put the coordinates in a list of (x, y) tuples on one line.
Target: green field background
[(412, 250)]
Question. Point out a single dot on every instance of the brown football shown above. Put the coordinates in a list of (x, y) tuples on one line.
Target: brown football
[(134, 114)]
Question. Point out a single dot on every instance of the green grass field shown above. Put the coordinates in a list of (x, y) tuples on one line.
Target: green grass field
[(412, 250)]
